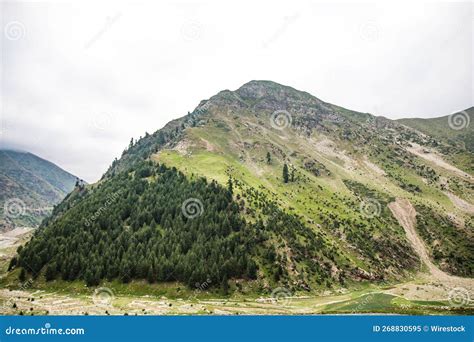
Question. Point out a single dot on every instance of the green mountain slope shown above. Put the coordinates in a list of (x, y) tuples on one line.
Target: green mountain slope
[(29, 187), (325, 223)]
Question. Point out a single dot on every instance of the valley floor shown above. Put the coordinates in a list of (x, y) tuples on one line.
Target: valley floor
[(432, 292), (424, 296)]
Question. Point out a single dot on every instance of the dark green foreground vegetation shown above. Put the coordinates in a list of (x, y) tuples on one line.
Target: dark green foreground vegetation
[(133, 226)]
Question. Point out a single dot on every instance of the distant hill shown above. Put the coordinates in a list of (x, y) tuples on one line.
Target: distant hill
[(29, 187)]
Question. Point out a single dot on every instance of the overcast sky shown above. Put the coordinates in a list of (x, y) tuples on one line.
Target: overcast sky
[(80, 79)]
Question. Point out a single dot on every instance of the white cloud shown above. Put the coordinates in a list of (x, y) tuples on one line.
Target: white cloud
[(85, 77)]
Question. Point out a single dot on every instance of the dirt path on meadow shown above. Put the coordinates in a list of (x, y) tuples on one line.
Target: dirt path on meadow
[(405, 214), (437, 159), (460, 203)]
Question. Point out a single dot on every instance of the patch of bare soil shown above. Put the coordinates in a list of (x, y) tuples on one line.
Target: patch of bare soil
[(328, 148), (436, 159), (377, 170), (437, 284), (460, 203), (209, 147), (10, 238), (183, 147)]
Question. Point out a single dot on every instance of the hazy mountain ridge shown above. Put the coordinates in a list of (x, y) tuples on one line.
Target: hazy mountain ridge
[(30, 186), (345, 169)]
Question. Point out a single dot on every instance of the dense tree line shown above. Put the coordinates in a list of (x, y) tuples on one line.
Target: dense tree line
[(131, 226)]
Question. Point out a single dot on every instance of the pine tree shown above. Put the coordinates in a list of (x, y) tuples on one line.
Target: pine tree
[(285, 173), (225, 285), (230, 186), (269, 158), (150, 275), (50, 273), (22, 275)]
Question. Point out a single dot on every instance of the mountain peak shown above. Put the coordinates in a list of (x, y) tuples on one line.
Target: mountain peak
[(262, 95), (260, 88), (262, 84)]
